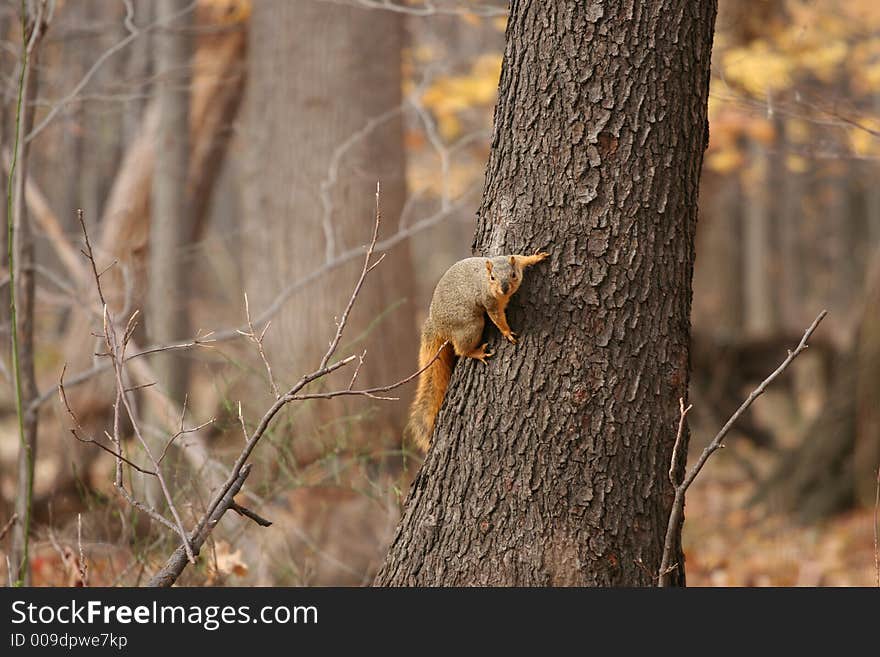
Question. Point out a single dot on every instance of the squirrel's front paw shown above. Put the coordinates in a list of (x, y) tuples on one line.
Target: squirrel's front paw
[(511, 337), (543, 255)]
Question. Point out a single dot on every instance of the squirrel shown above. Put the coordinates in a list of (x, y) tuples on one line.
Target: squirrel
[(469, 290)]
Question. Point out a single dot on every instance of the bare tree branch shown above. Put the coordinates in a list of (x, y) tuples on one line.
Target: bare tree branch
[(107, 54), (12, 519), (673, 529), (340, 326)]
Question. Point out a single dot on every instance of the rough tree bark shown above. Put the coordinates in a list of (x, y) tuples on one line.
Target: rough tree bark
[(550, 466), (321, 125)]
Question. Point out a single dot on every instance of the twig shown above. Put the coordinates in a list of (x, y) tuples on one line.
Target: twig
[(251, 334), (673, 529), (114, 348), (8, 526), (83, 567), (116, 353), (223, 498), (340, 326), (90, 256), (178, 559), (77, 429), (675, 449), (247, 513), (79, 86), (266, 315), (877, 529), (368, 392), (357, 370)]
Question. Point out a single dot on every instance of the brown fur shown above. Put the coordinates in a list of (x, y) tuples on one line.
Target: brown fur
[(431, 390), (471, 289)]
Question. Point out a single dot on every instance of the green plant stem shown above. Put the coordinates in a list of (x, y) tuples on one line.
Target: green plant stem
[(16, 365)]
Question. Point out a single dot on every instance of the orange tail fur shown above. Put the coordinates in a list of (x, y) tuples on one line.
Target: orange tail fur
[(431, 389)]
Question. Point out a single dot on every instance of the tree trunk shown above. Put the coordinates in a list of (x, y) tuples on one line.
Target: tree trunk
[(760, 317), (550, 466), (789, 217), (217, 85), (167, 318), (867, 393), (218, 79), (322, 124)]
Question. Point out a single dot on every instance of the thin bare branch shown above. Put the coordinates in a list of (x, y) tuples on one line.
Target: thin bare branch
[(82, 566), (258, 341), (247, 513), (673, 529), (107, 54), (340, 327), (77, 430), (877, 529), (675, 449), (12, 520), (370, 392)]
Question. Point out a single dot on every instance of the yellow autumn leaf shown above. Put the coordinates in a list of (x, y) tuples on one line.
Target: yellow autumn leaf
[(864, 140), (761, 131), (227, 12), (724, 160), (470, 18), (797, 131), (448, 95), (757, 68), (823, 62), (796, 164)]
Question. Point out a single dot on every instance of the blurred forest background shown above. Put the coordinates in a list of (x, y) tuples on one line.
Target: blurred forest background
[(223, 148)]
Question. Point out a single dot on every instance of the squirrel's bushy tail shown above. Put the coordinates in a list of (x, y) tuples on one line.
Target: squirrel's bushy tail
[(431, 389)]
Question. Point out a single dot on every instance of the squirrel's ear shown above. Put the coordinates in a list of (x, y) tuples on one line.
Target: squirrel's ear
[(512, 261), (489, 266)]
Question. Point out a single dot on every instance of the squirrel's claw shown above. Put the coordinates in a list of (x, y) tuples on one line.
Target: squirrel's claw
[(511, 337)]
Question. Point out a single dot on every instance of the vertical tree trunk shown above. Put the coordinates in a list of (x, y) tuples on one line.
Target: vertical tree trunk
[(550, 466), (138, 69), (760, 313), (867, 391), (790, 216), (169, 228), (322, 124)]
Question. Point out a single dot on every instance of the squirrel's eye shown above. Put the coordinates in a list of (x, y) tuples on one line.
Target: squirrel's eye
[(513, 275), (491, 277)]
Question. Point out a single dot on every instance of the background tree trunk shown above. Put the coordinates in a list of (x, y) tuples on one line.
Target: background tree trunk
[(835, 466), (760, 313), (322, 124), (550, 466), (169, 229)]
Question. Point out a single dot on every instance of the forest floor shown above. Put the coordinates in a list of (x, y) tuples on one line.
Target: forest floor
[(729, 543)]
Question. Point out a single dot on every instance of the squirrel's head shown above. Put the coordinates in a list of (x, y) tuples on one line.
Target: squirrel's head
[(505, 276)]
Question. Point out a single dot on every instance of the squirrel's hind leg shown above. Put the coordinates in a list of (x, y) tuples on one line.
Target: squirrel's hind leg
[(467, 343), (480, 353)]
